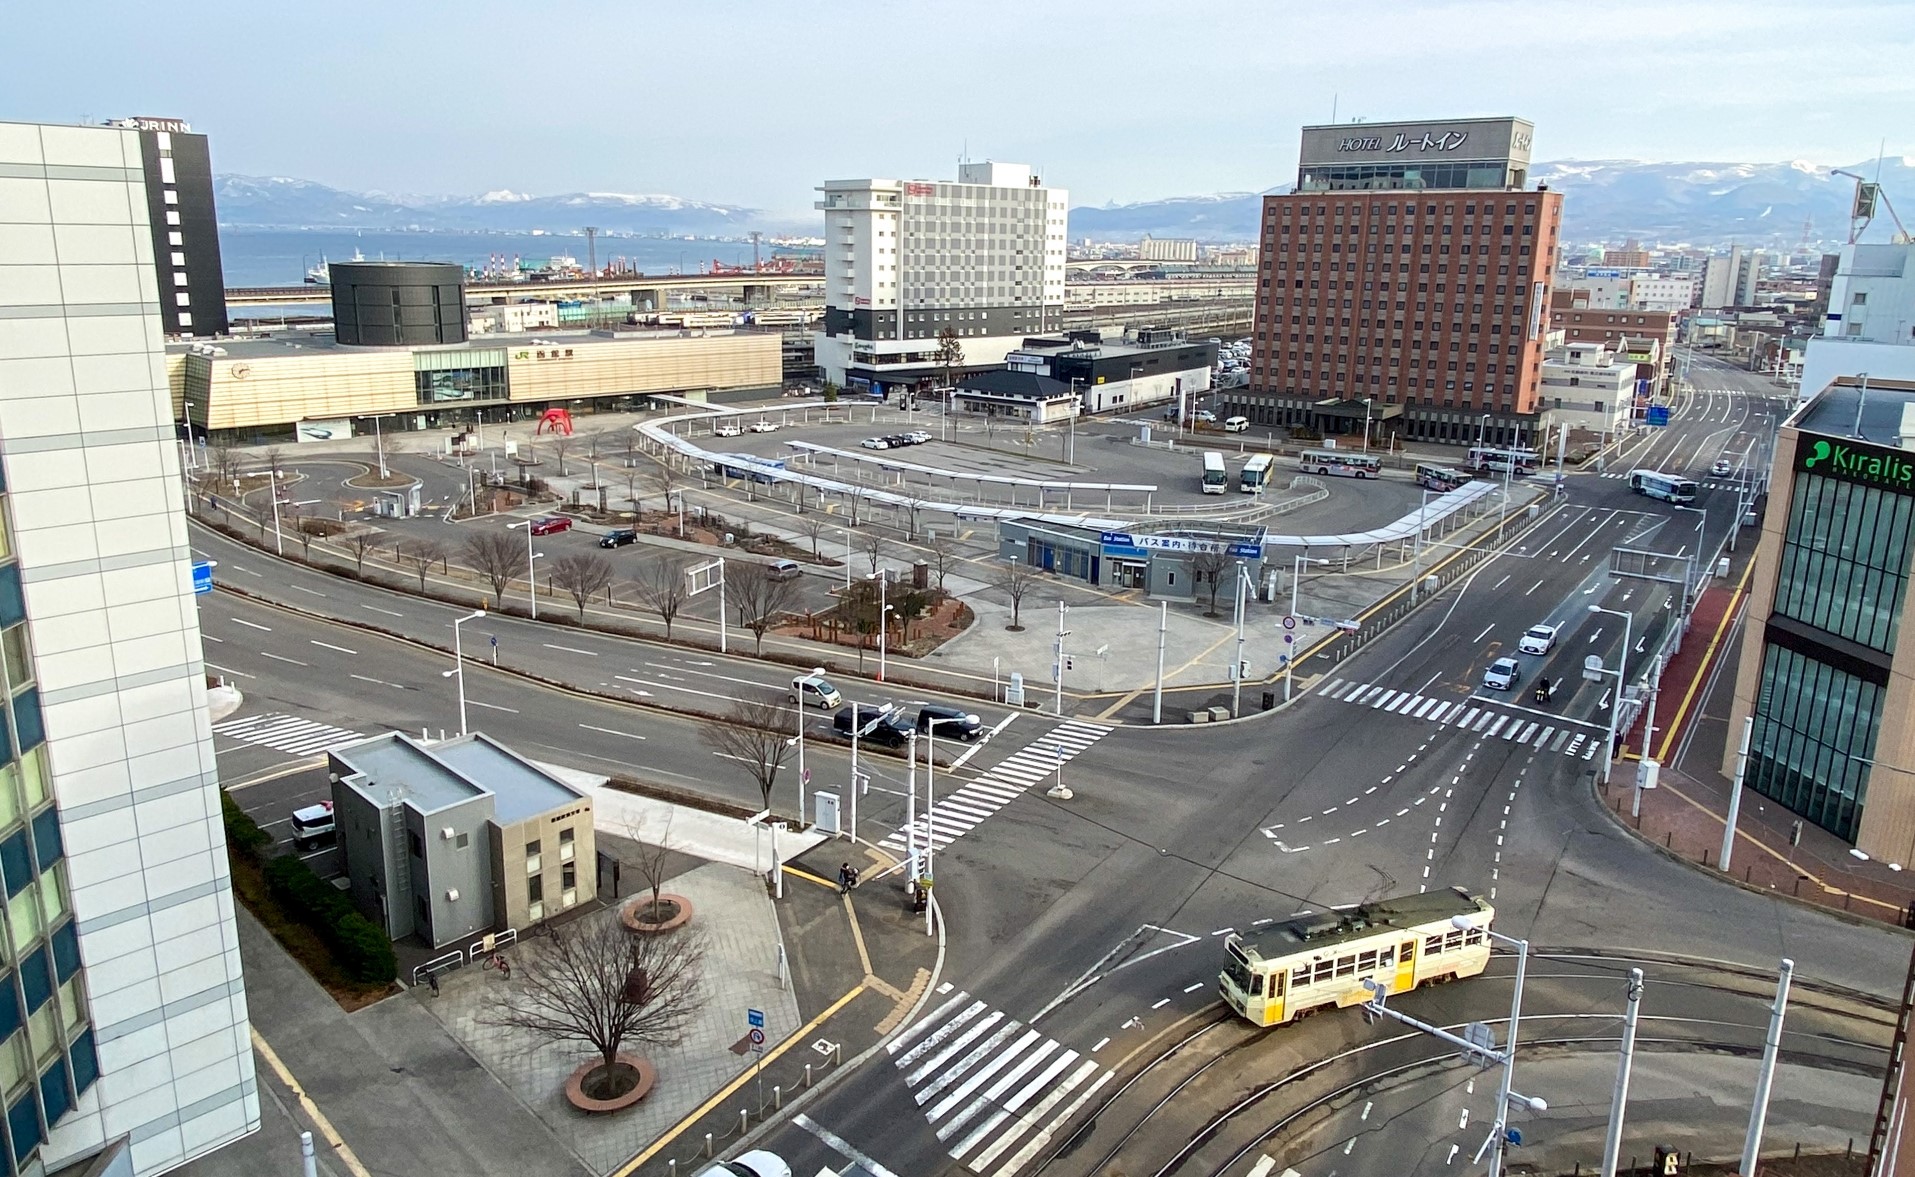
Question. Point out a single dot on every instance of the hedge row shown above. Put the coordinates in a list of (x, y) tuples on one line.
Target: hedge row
[(361, 949), (242, 832)]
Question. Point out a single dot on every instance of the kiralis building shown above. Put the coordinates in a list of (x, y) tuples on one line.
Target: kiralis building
[(1405, 283), (907, 259)]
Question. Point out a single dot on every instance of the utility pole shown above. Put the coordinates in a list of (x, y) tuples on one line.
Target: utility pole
[(1735, 794), (1058, 666), (1765, 1078), (1163, 627), (1612, 1139), (1236, 670)]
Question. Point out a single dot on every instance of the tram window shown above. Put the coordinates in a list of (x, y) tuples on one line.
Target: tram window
[(1276, 984), (1386, 958), (1346, 967), (1453, 941), (1433, 944), (1325, 969), (1475, 936), (1301, 976), (1256, 985), (1366, 962)]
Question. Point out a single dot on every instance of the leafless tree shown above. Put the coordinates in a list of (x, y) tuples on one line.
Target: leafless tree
[(754, 734), (1016, 579), (224, 461), (423, 554), (296, 515), (560, 444), (811, 529), (1208, 567), (874, 546), (759, 597), (495, 556), (583, 576), (359, 543), (949, 355), (943, 550), (631, 490), (596, 984), (654, 860), (664, 589), (670, 482)]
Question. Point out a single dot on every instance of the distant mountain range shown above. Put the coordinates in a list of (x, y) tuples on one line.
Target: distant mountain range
[(1604, 200), (278, 202)]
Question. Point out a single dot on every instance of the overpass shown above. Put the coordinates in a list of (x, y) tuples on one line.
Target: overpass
[(643, 289)]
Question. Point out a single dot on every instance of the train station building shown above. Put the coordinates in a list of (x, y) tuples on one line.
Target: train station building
[(1821, 671)]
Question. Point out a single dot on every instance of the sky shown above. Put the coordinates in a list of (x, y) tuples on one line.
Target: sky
[(754, 103)]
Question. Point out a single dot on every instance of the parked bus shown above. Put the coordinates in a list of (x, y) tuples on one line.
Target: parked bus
[(1491, 460), (1339, 463), (1320, 961), (1670, 488), (730, 465), (1216, 478), (1435, 477), (1256, 473)]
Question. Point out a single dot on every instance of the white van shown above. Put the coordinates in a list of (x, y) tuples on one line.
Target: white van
[(811, 690), (1236, 424), (312, 825)]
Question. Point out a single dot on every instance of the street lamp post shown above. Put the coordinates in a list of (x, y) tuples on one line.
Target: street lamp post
[(458, 661), (857, 783), (884, 611), (804, 774), (1621, 673), (1062, 633), (930, 806), (1482, 427), (1296, 584), (379, 441), (1366, 423), (1504, 1094), (532, 581), (1236, 671)]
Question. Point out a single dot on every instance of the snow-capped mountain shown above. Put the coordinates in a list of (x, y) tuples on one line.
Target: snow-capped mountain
[(279, 202), (1760, 204)]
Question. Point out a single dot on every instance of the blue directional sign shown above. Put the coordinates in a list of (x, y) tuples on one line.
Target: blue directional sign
[(755, 1018), (202, 577), (1658, 415)]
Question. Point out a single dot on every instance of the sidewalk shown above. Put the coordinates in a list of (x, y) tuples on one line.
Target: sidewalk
[(1687, 812)]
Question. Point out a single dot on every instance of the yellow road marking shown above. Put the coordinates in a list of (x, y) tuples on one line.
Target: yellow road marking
[(1728, 615), (327, 1133)]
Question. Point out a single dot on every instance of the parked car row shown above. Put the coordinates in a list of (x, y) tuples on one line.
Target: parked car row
[(896, 441)]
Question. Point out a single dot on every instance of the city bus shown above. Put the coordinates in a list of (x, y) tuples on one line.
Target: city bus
[(1489, 459), (1290, 969), (731, 466), (1670, 488), (1216, 478), (1256, 473), (1435, 477), (1339, 463)]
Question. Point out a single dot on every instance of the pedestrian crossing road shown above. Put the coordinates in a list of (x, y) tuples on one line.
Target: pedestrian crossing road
[(1573, 740), (1704, 483), (964, 807), (287, 733), (994, 1090)]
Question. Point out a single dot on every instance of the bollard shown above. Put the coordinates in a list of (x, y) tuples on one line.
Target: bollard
[(671, 1167), (708, 1151), (807, 1075), (777, 1098), (837, 1054), (744, 1121)]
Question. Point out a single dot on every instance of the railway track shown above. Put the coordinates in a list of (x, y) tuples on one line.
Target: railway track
[(1217, 1091)]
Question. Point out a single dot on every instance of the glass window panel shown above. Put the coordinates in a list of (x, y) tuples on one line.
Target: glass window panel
[(23, 913), (23, 1126), (9, 1007), (9, 795), (16, 862), (26, 719), (86, 1063), (71, 1011), (33, 776), (43, 1032), (13, 1062), (13, 606), (18, 655), (53, 899), (35, 979), (47, 849), (53, 1093), (66, 950)]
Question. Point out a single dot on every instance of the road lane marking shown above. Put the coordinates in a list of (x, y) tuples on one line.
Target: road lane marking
[(225, 670), (302, 588), (252, 624), (377, 609), (493, 706), (1486, 629), (330, 646), (277, 658), (570, 650), (380, 682), (608, 731), (209, 637)]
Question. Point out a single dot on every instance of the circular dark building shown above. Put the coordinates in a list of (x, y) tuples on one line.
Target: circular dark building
[(398, 304)]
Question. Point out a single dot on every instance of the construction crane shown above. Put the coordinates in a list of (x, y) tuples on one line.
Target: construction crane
[(1868, 194)]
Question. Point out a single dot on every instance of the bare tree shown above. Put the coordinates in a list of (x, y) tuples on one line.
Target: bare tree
[(949, 354), (631, 490), (654, 860), (495, 556), (596, 984), (1015, 579), (224, 461), (298, 516), (874, 546), (759, 597), (423, 554), (665, 589), (755, 734), (560, 444), (359, 543), (583, 576), (811, 529), (669, 483), (1209, 567), (943, 550)]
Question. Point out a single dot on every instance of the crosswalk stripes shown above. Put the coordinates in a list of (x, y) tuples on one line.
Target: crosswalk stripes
[(1483, 721), (963, 808), (287, 733), (989, 1085)]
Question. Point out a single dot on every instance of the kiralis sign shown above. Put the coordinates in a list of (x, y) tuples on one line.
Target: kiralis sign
[(1855, 462)]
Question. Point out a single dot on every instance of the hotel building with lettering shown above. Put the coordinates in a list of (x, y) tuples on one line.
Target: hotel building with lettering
[(906, 259), (1822, 668), (1405, 282)]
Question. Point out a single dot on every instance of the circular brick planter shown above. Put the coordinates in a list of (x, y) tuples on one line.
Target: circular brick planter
[(629, 914), (575, 1085)]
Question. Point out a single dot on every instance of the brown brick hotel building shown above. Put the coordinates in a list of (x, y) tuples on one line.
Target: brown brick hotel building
[(1409, 270)]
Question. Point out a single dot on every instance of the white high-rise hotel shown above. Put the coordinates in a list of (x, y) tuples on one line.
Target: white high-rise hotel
[(905, 259), (123, 1026)]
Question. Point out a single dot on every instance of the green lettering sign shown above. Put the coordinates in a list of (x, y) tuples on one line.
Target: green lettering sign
[(1855, 462)]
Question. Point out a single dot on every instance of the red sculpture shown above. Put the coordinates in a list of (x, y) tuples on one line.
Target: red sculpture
[(559, 420)]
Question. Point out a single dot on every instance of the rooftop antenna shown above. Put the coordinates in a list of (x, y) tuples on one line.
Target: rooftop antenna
[(1333, 106)]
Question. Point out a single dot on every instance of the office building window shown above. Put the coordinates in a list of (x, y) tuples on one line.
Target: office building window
[(1844, 566), (1814, 727)]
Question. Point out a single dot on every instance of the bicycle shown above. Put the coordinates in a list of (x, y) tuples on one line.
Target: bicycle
[(498, 961)]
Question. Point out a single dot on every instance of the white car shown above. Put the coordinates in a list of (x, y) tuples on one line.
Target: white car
[(756, 1163), (1721, 467), (1502, 674), (1537, 639), (875, 443), (918, 436), (764, 427), (727, 430)]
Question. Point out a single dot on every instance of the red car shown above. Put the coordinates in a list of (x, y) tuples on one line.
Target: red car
[(546, 525)]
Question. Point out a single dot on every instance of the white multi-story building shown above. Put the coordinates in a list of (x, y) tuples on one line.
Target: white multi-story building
[(123, 1028), (1870, 324), (1720, 279), (1167, 249), (906, 259), (1587, 386), (1662, 292)]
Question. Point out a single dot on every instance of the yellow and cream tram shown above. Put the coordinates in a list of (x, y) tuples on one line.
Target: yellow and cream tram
[(1286, 970)]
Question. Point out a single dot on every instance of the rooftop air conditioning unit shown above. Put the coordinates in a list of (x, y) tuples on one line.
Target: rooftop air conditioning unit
[(447, 834), (452, 895)]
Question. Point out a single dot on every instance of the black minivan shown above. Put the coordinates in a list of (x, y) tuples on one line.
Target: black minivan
[(893, 729), (951, 721), (618, 537)]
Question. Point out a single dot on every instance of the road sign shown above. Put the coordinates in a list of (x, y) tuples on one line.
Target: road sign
[(805, 776), (757, 1037), (1593, 668), (755, 1018), (1657, 415), (1289, 623), (203, 577), (495, 641)]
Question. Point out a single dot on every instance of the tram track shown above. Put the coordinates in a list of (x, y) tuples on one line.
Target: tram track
[(1161, 1119)]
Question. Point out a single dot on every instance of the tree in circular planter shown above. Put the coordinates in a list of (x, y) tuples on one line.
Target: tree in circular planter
[(595, 984)]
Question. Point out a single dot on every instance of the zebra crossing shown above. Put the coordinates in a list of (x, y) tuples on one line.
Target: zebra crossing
[(287, 733), (1704, 483), (1539, 735), (963, 808), (994, 1090)]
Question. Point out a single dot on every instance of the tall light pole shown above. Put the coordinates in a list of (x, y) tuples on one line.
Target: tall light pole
[(1236, 671), (1765, 1077), (1625, 1061), (1621, 673), (1157, 700), (1070, 456), (804, 774), (857, 782), (1296, 584), (884, 611), (930, 806), (458, 661), (1062, 633), (1504, 1094), (1366, 422), (378, 440), (532, 581)]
